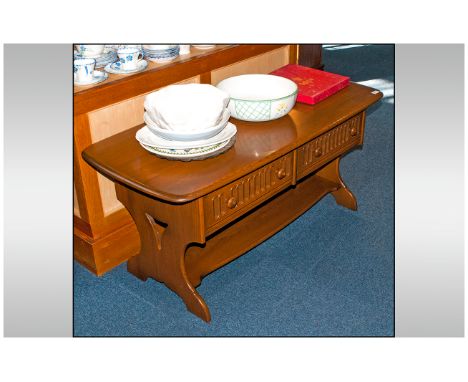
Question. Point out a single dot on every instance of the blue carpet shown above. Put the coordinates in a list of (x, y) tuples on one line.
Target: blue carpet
[(329, 273)]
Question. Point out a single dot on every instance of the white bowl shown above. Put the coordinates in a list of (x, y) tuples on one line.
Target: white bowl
[(259, 97), (187, 107), (185, 136), (158, 47)]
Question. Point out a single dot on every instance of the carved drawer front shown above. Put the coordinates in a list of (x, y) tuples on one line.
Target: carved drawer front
[(329, 145), (233, 200)]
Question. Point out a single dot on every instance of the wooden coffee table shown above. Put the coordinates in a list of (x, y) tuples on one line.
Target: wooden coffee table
[(194, 217)]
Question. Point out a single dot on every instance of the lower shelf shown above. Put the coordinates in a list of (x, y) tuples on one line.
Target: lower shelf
[(258, 225)]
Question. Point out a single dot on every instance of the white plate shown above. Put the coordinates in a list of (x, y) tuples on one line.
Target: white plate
[(180, 154), (98, 76), (146, 137), (114, 69)]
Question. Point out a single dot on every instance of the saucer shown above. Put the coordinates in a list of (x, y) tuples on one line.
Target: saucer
[(98, 76), (115, 68), (162, 60)]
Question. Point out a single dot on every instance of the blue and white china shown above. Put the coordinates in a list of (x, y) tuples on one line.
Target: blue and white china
[(124, 46), (129, 58), (161, 55), (108, 56), (83, 69), (116, 68), (90, 51), (98, 76)]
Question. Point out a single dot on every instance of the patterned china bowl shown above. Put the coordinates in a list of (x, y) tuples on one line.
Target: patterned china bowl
[(161, 55), (185, 136), (259, 97)]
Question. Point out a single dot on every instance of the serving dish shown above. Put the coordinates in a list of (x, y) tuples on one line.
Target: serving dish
[(259, 97)]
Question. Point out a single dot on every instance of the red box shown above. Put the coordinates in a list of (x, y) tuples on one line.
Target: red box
[(313, 85)]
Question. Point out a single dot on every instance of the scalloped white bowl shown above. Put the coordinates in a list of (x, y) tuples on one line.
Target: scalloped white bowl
[(259, 97), (187, 107)]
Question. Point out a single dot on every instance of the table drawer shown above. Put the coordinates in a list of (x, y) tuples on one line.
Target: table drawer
[(329, 145), (231, 201)]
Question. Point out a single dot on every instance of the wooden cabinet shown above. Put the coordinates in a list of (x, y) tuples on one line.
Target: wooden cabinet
[(104, 233)]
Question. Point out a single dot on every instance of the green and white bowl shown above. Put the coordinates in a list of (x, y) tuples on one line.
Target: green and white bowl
[(259, 97)]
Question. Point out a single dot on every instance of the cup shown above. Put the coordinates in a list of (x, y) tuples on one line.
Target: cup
[(83, 69), (90, 50), (129, 57)]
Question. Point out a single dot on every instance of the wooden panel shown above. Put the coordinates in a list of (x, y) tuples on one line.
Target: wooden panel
[(76, 206), (329, 145), (311, 55), (264, 63), (101, 255), (84, 177), (236, 198), (111, 120), (120, 116)]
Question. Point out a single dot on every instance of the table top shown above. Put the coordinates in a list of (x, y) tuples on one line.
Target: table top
[(122, 159)]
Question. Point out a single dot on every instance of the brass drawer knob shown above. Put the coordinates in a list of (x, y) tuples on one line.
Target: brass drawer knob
[(353, 131), (281, 173), (232, 202), (318, 152)]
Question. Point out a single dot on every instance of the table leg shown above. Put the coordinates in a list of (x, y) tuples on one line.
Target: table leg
[(342, 195), (165, 232)]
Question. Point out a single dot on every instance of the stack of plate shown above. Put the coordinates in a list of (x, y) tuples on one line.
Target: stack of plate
[(161, 53), (187, 122), (108, 56)]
